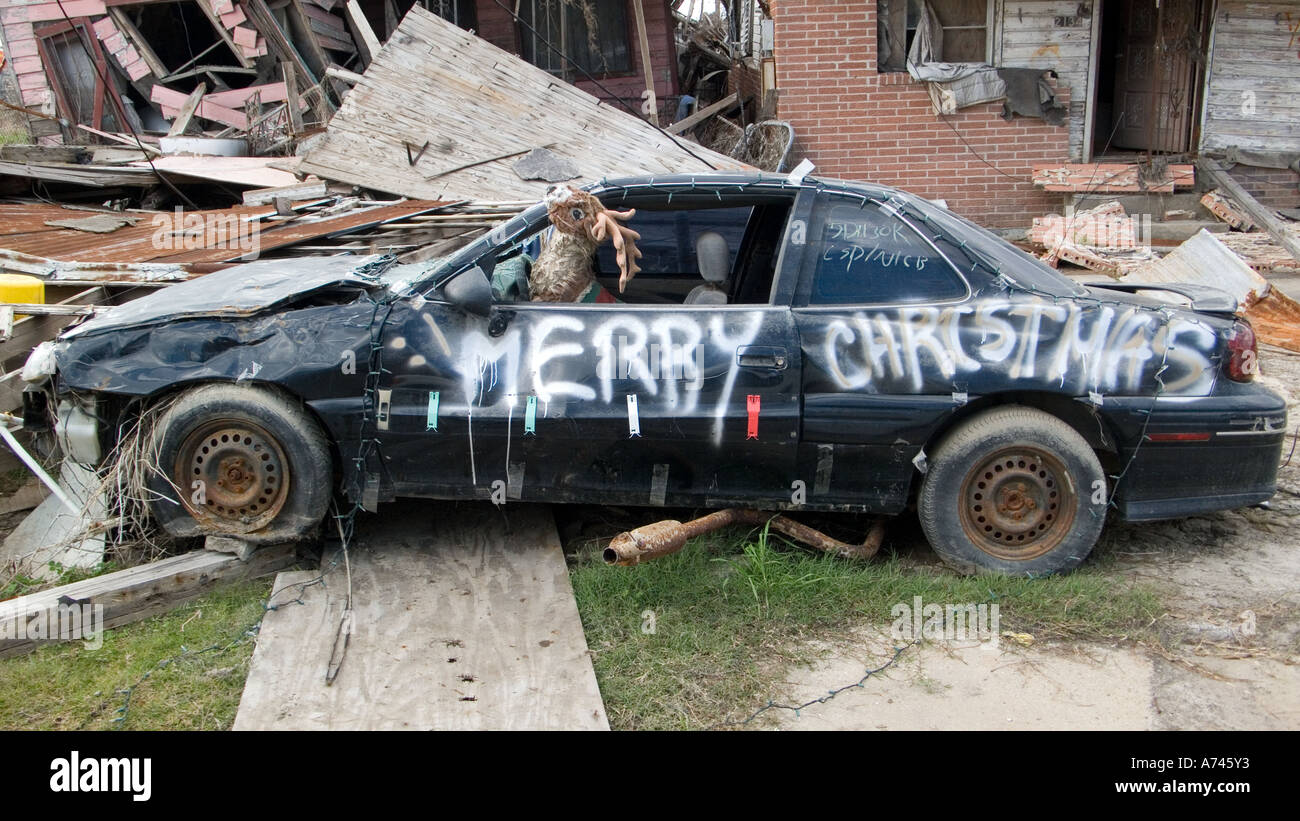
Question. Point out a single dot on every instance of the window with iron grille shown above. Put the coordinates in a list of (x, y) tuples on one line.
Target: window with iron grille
[(592, 33)]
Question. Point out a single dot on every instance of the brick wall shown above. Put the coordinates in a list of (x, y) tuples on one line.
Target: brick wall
[(855, 123), (496, 25), (1273, 187)]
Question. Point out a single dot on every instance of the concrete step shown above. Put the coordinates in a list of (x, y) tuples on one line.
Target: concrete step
[(1157, 205)]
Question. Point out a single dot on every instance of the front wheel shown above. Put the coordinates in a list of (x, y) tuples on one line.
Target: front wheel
[(1013, 490), (240, 461)]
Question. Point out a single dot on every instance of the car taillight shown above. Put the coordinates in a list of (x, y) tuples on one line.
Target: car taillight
[(1243, 358)]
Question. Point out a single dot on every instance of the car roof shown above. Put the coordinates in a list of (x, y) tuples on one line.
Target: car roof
[(727, 179)]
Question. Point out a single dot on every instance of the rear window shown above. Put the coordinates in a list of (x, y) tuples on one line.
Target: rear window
[(1021, 268), (866, 254)]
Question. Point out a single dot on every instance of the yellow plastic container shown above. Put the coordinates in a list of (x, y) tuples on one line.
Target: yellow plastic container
[(21, 288)]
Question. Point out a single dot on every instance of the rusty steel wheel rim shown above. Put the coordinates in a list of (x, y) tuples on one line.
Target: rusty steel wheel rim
[(244, 475), (1018, 503)]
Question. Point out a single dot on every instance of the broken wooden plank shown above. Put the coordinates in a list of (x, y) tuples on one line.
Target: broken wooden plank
[(291, 96), (647, 66), (92, 176), (41, 309), (687, 123), (303, 190), (186, 114), (488, 590), (133, 141), (236, 97), (137, 593), (340, 73), (363, 34), (1264, 217), (207, 109), (38, 154), (54, 270), (253, 172)]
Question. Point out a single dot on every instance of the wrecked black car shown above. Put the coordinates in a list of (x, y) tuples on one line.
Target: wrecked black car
[(786, 345)]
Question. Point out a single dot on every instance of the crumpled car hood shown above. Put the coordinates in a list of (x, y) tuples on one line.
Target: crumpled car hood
[(248, 289)]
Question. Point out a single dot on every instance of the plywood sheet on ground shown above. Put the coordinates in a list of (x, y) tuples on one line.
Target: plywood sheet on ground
[(464, 619), (454, 99)]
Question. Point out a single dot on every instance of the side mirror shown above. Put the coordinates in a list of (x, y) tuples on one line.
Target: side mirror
[(470, 291)]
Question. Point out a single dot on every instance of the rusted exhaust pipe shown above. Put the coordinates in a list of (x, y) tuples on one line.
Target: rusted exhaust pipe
[(665, 538)]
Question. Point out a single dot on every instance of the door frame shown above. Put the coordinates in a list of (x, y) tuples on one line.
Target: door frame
[(1197, 101)]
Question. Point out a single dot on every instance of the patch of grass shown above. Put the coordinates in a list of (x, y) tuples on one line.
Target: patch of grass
[(13, 138), (733, 610), (21, 585), (184, 670)]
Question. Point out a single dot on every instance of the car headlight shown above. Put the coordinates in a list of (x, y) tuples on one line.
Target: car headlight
[(40, 365), (78, 433)]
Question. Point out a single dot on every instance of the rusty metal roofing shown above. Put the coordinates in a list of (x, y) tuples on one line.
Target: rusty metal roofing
[(23, 228)]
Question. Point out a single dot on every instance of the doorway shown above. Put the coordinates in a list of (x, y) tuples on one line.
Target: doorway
[(1151, 61)]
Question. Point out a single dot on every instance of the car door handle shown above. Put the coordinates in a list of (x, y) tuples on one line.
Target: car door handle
[(761, 356)]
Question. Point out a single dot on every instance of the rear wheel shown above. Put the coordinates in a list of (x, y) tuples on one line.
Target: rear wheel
[(241, 461), (1013, 490)]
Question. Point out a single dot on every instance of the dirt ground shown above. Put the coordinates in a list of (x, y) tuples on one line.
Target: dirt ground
[(1232, 584)]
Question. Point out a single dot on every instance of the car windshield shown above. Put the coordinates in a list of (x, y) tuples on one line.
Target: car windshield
[(437, 270)]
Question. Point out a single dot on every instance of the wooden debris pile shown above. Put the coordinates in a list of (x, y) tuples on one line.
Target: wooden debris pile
[(127, 70), (725, 73)]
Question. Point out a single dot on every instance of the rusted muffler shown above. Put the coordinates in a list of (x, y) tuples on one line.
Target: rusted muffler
[(664, 538)]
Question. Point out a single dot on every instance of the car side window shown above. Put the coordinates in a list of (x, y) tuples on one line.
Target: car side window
[(867, 255), (669, 265)]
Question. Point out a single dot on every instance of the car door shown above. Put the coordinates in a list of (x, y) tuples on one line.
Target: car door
[(628, 403), (875, 303)]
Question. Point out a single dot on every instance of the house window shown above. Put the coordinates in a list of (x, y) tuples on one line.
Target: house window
[(592, 33), (962, 36)]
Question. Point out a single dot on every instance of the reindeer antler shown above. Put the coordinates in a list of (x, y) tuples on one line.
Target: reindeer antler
[(608, 224)]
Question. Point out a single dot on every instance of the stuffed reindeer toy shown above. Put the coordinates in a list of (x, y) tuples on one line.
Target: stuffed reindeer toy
[(562, 272)]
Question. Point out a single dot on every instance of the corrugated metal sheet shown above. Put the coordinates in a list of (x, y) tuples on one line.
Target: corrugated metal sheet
[(1204, 260), (23, 229)]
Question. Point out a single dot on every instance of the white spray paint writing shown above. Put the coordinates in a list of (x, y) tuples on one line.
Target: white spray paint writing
[(663, 356), (1106, 349)]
